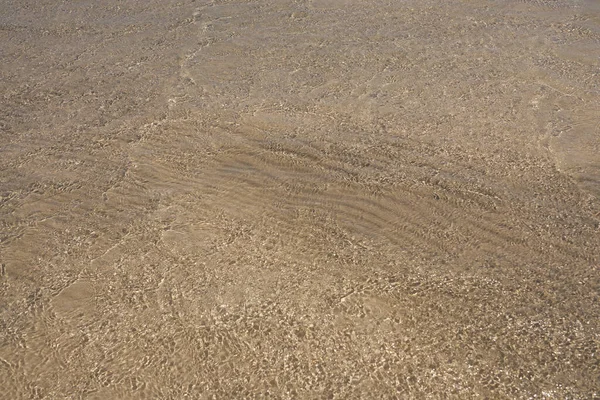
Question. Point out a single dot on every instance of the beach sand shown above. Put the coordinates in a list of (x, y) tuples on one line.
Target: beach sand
[(300, 199)]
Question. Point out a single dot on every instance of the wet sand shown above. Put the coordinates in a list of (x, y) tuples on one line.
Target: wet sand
[(300, 199)]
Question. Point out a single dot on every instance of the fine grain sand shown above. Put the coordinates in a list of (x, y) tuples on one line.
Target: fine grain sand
[(302, 199)]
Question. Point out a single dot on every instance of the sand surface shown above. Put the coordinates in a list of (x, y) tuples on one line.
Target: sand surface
[(303, 199)]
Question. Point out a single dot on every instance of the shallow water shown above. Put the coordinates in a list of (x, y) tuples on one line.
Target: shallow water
[(299, 199)]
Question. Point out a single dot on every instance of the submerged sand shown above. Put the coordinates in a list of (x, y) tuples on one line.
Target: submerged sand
[(300, 199)]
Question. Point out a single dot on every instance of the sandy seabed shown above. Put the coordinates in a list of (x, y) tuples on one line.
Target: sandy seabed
[(332, 199)]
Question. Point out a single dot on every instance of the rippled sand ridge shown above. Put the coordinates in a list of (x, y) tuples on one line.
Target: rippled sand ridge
[(300, 199)]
